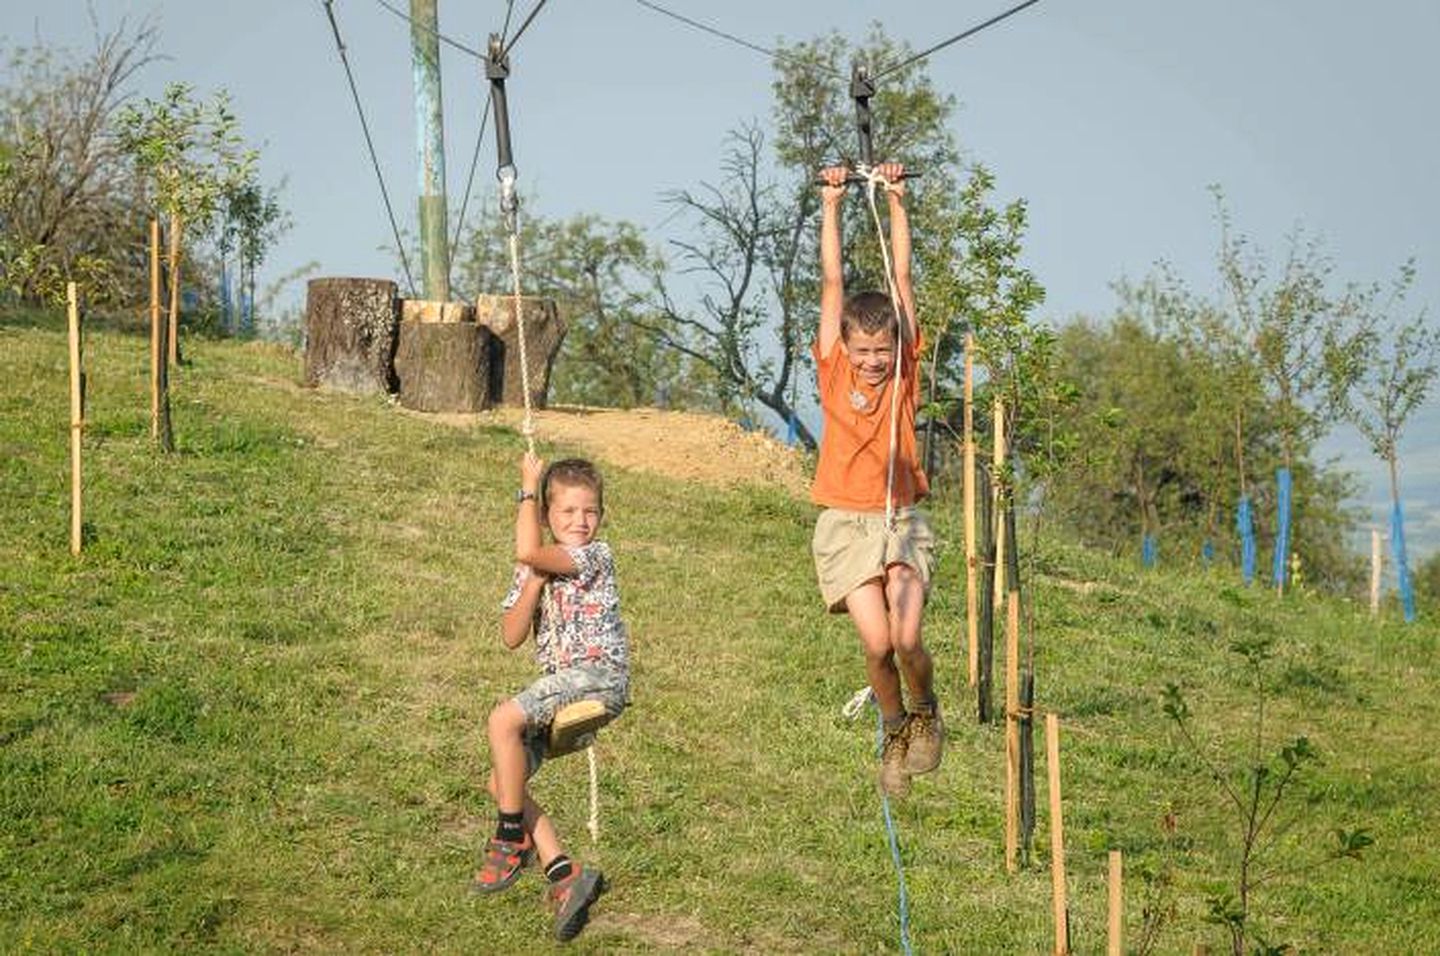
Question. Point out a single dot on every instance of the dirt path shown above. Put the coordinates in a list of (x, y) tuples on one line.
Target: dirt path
[(684, 445)]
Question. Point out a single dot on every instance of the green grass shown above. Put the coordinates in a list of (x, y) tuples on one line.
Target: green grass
[(250, 717)]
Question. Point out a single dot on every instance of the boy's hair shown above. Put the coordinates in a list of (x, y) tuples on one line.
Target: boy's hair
[(572, 472), (870, 312)]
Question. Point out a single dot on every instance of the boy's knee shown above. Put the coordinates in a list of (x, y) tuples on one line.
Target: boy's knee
[(909, 647), (878, 653), (506, 718)]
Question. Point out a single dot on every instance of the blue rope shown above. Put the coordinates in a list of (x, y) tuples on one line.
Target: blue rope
[(894, 844)]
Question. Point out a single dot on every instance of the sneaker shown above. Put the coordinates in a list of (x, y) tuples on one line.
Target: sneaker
[(570, 899), (502, 863), (894, 778), (927, 741)]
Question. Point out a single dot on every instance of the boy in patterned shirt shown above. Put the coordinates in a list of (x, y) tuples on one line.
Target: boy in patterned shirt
[(873, 548), (565, 592)]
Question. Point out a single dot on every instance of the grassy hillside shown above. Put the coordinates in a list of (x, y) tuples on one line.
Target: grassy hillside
[(250, 716)]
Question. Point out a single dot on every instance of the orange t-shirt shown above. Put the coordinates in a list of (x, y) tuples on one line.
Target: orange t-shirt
[(855, 437)]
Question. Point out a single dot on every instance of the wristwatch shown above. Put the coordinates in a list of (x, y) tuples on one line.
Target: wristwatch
[(523, 496)]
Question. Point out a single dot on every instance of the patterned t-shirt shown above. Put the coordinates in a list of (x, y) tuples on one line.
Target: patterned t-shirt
[(578, 618)]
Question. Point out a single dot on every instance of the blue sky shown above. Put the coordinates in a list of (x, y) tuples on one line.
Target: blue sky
[(1110, 117)]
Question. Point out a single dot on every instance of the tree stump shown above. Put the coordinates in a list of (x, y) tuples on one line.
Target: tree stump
[(350, 327), (443, 358), (544, 331)]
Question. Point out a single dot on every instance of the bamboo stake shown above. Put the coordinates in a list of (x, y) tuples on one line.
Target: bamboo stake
[(155, 328), (174, 340), (1115, 945), (1012, 731), (77, 423), (972, 628), (1057, 836), (998, 492), (1376, 563)]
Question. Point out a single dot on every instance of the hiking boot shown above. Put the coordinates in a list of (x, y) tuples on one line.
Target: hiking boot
[(927, 741), (503, 860), (894, 778), (570, 899)]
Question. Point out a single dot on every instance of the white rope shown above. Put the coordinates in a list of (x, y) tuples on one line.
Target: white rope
[(509, 206), (594, 823), (857, 703), (872, 178)]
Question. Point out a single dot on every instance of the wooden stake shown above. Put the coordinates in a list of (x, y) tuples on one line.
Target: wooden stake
[(972, 628), (998, 491), (155, 328), (174, 339), (1012, 730), (1115, 945), (76, 419), (1057, 836), (1376, 564)]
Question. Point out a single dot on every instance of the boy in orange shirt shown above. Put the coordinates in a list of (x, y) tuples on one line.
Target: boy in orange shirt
[(873, 548)]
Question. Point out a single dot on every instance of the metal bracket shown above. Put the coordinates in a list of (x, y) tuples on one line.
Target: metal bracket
[(497, 71)]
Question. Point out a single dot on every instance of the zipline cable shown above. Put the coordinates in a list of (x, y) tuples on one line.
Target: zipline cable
[(438, 35), (370, 144), (516, 38), (764, 51), (475, 155), (955, 39)]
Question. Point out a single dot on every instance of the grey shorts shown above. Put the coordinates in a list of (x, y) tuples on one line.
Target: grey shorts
[(547, 695), (853, 547)]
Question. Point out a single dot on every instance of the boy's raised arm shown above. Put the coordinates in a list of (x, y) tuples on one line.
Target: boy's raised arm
[(900, 245), (832, 278), (530, 547)]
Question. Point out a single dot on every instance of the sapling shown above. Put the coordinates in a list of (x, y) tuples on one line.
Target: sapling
[(1254, 789)]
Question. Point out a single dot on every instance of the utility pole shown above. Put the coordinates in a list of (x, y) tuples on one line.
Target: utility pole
[(430, 139)]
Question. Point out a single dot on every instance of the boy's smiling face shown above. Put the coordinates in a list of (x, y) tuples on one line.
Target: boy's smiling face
[(871, 354), (573, 514)]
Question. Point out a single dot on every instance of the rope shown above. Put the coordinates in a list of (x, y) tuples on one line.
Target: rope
[(509, 207), (872, 177), (852, 710), (594, 823), (370, 144)]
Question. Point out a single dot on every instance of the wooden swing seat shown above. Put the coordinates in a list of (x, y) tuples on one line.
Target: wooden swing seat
[(575, 726)]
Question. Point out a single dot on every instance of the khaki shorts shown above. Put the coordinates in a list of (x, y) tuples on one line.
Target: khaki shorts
[(852, 547)]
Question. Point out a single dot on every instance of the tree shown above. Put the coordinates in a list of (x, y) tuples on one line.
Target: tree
[(753, 253), (601, 275), (1393, 373), (192, 161), (1296, 327), (66, 205), (253, 221)]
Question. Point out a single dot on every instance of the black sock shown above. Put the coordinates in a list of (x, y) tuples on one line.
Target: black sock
[(511, 828), (893, 725), (559, 868), (929, 707)]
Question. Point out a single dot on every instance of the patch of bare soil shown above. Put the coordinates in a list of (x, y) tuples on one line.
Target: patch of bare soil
[(684, 445)]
